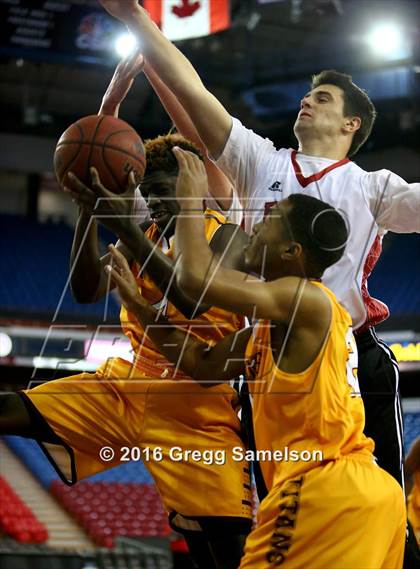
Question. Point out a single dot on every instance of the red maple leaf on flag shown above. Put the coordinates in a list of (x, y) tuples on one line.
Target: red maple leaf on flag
[(186, 9)]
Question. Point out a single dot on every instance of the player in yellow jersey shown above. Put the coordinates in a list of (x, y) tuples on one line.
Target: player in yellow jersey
[(150, 404), (412, 472), (332, 507)]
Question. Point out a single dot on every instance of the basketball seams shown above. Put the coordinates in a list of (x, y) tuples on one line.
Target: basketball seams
[(118, 132), (111, 134), (80, 143), (91, 147), (108, 167), (101, 145), (95, 132)]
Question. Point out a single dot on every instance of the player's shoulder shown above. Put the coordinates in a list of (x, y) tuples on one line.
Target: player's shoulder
[(378, 180), (243, 133), (371, 176), (310, 295)]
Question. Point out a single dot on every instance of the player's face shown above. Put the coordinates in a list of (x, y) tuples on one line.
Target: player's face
[(262, 253), (158, 190), (321, 113)]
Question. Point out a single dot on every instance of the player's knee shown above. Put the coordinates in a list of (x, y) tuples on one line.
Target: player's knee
[(14, 417)]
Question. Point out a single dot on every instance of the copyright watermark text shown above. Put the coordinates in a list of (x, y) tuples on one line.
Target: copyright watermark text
[(207, 456)]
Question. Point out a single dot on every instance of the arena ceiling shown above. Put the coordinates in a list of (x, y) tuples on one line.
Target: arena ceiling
[(268, 44)]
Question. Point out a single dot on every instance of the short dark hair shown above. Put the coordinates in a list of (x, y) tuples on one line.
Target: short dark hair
[(356, 103), (319, 228), (159, 155)]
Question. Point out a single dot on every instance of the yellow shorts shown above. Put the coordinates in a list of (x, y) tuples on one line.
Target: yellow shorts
[(348, 514), (185, 432)]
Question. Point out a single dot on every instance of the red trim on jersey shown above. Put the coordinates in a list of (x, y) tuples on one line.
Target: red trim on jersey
[(376, 311), (268, 206), (315, 177)]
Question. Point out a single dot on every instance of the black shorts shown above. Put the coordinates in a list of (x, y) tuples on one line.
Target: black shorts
[(379, 385)]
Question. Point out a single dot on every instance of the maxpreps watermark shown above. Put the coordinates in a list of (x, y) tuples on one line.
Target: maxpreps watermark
[(208, 456)]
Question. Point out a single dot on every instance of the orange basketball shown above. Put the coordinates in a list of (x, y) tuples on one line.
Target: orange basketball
[(108, 144)]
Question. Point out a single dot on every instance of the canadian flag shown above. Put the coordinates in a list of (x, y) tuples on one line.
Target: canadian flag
[(183, 19)]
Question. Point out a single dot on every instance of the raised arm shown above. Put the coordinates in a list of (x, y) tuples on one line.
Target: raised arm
[(395, 203), (224, 361), (115, 213), (88, 281), (86, 274), (230, 289), (212, 121), (220, 186), (120, 84)]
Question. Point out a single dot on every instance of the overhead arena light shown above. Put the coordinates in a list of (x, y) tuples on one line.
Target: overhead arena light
[(125, 45), (6, 344), (387, 39)]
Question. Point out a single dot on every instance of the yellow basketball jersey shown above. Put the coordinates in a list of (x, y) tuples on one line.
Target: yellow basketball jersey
[(209, 327), (318, 409)]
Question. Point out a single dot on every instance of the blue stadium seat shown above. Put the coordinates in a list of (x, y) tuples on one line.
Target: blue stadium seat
[(34, 459), (411, 429), (32, 456), (125, 473), (394, 282), (34, 268)]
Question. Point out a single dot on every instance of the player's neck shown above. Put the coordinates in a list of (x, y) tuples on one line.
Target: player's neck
[(331, 149)]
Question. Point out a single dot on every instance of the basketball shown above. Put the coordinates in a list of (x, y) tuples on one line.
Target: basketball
[(108, 144)]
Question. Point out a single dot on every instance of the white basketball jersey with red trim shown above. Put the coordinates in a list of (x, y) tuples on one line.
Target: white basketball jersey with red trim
[(263, 175)]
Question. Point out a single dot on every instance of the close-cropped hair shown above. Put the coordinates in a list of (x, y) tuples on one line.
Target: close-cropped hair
[(356, 103), (159, 155), (319, 228)]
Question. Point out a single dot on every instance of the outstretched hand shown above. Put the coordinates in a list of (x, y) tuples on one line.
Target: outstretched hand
[(124, 280), (192, 184), (121, 82), (113, 211)]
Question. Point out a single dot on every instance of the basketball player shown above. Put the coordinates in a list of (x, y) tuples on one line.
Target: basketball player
[(335, 119), (296, 361), (150, 404), (412, 472)]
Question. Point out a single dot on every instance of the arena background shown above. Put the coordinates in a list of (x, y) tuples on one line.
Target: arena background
[(56, 59)]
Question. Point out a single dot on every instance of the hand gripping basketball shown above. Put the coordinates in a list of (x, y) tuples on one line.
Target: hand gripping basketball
[(104, 142), (114, 212)]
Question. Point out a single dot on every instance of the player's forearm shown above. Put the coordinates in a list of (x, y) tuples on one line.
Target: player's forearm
[(219, 185), (212, 122), (194, 256), (166, 60), (175, 344), (109, 108), (85, 267), (173, 107), (161, 269)]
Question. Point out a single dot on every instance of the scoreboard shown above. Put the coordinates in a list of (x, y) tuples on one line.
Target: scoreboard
[(62, 31)]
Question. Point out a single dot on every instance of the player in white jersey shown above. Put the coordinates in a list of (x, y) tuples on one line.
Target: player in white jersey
[(336, 118)]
